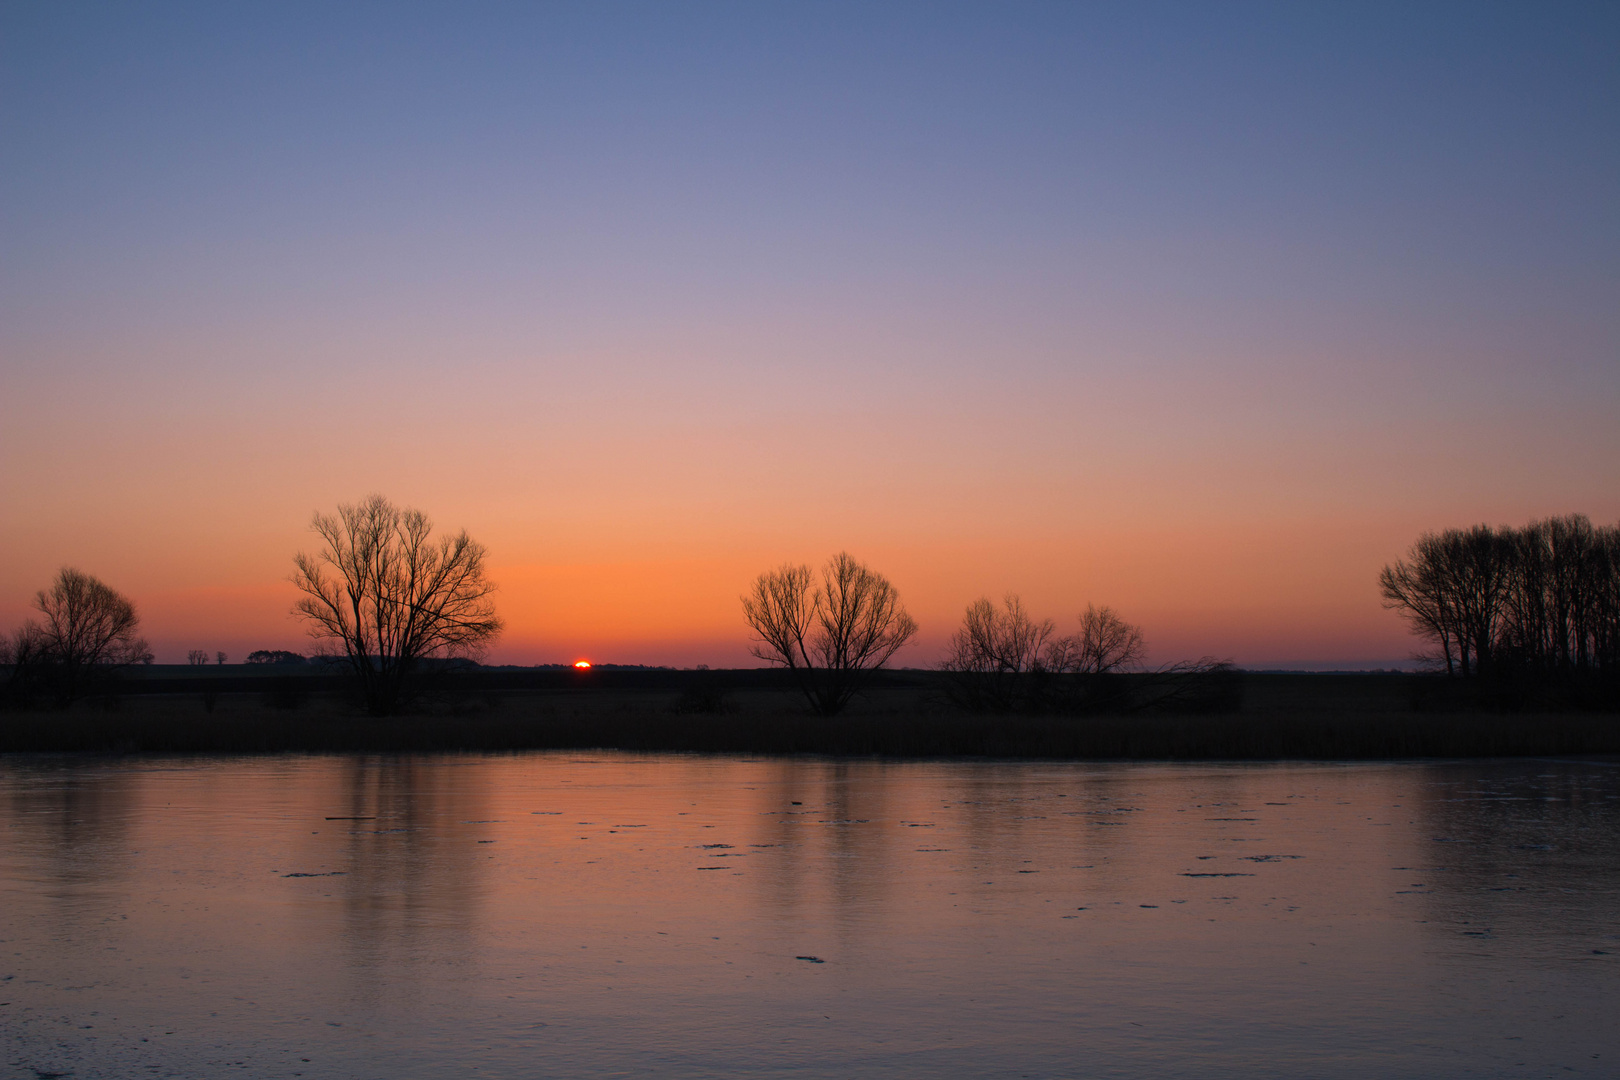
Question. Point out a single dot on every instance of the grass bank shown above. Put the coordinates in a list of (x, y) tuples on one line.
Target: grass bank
[(1281, 717)]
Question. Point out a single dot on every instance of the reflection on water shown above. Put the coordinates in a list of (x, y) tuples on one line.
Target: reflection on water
[(549, 915)]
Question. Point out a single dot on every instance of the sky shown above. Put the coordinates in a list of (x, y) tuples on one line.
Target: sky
[(1202, 311)]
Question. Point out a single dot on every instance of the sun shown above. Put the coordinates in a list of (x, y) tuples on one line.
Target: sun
[(583, 665)]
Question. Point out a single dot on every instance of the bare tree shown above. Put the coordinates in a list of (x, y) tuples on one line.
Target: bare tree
[(1555, 578), (88, 632), (781, 611), (1003, 660), (996, 654), (1105, 643), (395, 597), (1479, 561), (850, 624), (220, 657), (197, 656), (1420, 588), (24, 654)]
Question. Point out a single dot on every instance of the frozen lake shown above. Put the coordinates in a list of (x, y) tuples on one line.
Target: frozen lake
[(563, 915)]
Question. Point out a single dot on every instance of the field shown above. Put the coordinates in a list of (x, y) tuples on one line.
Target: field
[(906, 714)]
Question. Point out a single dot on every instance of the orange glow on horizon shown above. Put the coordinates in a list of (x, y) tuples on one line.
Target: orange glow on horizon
[(583, 665)]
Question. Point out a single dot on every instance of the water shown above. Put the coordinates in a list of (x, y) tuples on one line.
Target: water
[(553, 915)]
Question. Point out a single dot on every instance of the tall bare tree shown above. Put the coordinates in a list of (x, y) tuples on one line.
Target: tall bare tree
[(1421, 588), (1480, 561), (781, 611), (87, 632), (830, 634), (390, 597)]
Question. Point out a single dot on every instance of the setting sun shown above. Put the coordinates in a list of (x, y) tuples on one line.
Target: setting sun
[(583, 665)]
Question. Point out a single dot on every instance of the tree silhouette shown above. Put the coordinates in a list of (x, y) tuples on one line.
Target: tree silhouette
[(1419, 587), (87, 633), (1106, 643), (832, 634), (1002, 659), (1543, 599), (997, 654), (274, 656), (395, 598)]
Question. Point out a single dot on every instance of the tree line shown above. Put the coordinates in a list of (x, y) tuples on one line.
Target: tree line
[(834, 629), (386, 598), (1540, 601)]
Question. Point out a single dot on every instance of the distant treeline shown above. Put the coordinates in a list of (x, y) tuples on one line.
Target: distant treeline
[(1539, 603), (275, 656)]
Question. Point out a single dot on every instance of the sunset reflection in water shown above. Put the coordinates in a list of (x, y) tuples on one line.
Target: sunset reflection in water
[(561, 914)]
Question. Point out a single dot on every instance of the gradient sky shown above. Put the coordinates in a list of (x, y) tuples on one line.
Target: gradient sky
[(1203, 311)]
